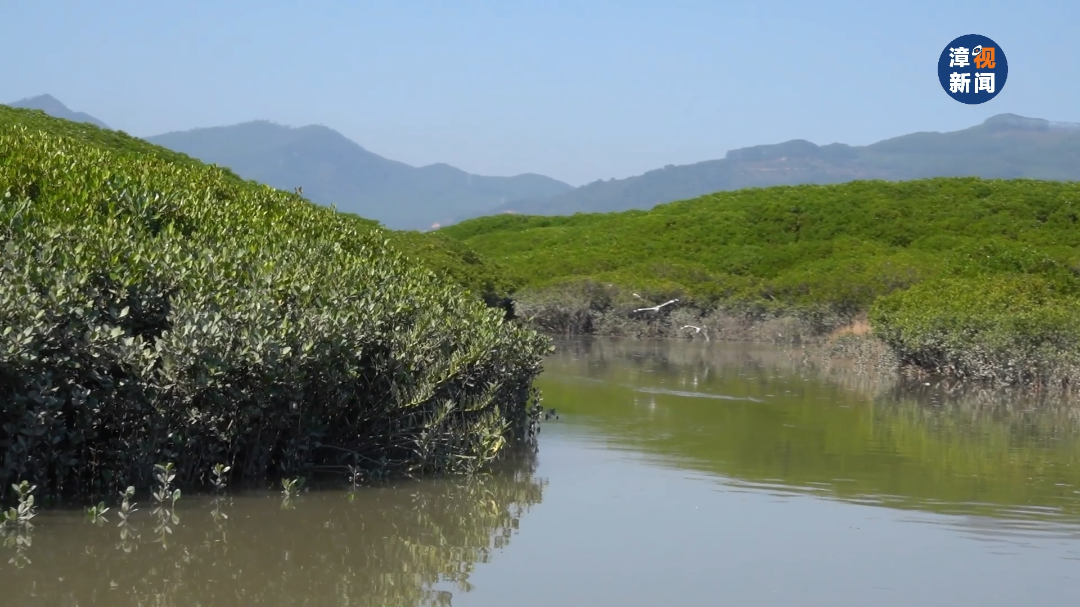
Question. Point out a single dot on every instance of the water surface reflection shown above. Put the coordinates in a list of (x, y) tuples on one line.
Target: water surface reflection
[(761, 417), (387, 546)]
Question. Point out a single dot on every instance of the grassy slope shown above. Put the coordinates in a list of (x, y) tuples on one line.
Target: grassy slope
[(839, 248)]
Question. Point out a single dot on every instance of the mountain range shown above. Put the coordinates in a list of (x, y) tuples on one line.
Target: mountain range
[(332, 169), (1005, 146)]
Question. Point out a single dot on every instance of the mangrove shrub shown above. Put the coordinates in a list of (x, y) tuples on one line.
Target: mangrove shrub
[(1007, 328), (153, 311)]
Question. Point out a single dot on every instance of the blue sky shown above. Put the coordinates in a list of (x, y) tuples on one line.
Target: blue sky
[(578, 90)]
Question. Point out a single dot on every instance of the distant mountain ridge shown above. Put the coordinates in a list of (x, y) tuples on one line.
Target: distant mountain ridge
[(1004, 146), (334, 170), (52, 106)]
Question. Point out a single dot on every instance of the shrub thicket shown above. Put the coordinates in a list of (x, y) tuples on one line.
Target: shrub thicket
[(117, 142), (1008, 328), (456, 262), (839, 246), (820, 256), (153, 310)]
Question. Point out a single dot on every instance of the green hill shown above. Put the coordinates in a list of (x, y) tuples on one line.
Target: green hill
[(1005, 146), (154, 309), (958, 274)]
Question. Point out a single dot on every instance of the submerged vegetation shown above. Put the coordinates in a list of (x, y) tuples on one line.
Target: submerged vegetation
[(155, 309), (978, 278)]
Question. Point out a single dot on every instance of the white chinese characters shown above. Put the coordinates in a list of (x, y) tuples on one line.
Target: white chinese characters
[(984, 81), (958, 57), (960, 83)]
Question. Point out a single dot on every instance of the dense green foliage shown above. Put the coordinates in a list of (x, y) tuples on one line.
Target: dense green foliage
[(117, 142), (457, 262), (840, 246), (1011, 328), (155, 310), (830, 252), (444, 256)]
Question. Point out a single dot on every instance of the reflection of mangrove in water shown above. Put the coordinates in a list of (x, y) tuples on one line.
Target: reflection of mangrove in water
[(383, 546), (780, 420)]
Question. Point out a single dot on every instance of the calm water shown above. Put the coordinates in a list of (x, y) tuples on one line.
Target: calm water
[(677, 474)]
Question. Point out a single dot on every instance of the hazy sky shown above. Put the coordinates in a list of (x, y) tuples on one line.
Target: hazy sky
[(578, 90)]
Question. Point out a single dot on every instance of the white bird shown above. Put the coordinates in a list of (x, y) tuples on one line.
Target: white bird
[(657, 308), (697, 330)]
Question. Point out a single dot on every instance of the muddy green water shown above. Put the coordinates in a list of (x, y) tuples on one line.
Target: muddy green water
[(678, 473)]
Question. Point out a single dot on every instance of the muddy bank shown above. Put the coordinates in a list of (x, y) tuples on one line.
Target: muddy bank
[(820, 334), (610, 313), (579, 314), (1002, 332)]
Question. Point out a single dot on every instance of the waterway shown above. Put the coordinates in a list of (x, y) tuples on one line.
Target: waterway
[(677, 473)]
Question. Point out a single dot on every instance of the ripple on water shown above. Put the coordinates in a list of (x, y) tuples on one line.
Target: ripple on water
[(695, 394)]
